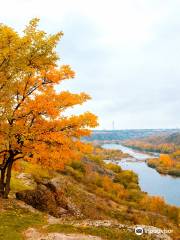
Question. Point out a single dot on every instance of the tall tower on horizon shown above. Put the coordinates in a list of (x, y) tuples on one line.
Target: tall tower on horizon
[(113, 124)]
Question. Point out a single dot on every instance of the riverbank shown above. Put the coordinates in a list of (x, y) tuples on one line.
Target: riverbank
[(168, 161), (156, 164), (150, 180), (149, 151), (169, 166)]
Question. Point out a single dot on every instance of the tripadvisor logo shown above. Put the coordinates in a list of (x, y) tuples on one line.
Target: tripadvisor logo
[(139, 230)]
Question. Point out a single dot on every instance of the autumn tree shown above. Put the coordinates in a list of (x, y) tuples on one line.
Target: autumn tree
[(33, 125), (166, 160)]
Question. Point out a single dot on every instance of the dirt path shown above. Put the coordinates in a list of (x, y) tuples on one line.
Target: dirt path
[(33, 234)]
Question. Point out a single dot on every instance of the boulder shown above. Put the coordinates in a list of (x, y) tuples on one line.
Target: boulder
[(49, 197), (26, 178)]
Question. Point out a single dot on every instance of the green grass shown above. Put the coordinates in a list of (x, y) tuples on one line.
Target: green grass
[(14, 221), (35, 170), (18, 184), (103, 232)]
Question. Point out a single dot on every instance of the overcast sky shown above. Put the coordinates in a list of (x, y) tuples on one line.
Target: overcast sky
[(126, 54)]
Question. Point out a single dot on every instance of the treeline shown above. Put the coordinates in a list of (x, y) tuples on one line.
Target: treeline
[(168, 145), (167, 163), (162, 143), (119, 135), (145, 146)]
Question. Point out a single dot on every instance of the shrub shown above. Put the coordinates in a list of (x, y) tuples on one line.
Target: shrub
[(78, 165), (126, 177), (74, 173), (113, 167)]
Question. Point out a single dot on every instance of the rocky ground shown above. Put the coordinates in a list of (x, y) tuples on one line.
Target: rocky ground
[(47, 197), (34, 234)]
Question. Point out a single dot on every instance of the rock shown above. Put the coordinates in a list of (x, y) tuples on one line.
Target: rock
[(27, 179), (157, 233), (41, 187), (73, 209), (53, 220), (99, 169), (22, 204), (24, 176), (61, 211), (32, 234), (57, 183), (49, 197)]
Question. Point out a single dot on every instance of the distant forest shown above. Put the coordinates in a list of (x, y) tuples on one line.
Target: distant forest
[(120, 135)]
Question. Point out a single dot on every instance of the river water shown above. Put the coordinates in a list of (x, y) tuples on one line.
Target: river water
[(150, 180)]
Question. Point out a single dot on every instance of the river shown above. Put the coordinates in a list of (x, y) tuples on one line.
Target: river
[(150, 180)]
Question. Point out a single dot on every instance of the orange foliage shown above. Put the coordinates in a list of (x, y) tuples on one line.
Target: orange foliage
[(155, 204), (32, 123), (166, 160)]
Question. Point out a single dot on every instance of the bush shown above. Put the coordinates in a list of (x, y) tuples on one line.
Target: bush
[(174, 172), (126, 177), (113, 167), (133, 185), (74, 173), (134, 195), (79, 166)]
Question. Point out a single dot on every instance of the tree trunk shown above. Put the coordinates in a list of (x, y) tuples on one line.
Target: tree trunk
[(8, 179), (2, 182)]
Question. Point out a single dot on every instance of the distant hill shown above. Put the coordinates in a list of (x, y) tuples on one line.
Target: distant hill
[(174, 138), (120, 135), (163, 138)]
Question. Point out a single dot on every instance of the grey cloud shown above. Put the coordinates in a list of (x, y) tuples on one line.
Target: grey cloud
[(137, 85)]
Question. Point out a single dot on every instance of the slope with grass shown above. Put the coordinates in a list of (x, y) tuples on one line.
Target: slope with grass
[(93, 198)]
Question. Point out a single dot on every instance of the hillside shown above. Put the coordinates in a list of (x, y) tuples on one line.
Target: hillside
[(119, 135), (86, 199), (171, 138), (163, 142)]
